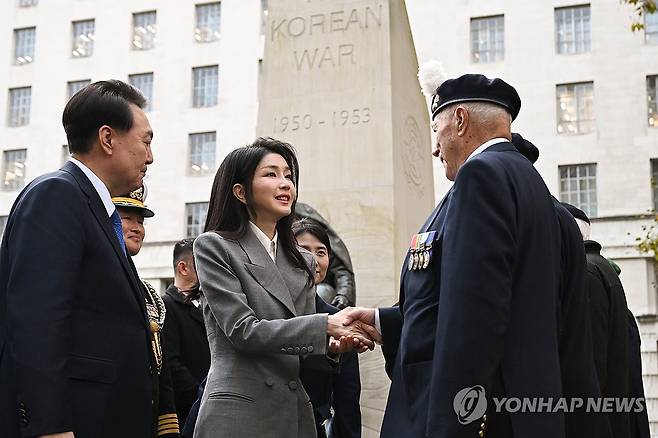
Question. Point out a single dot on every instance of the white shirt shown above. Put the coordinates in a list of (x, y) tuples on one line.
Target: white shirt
[(485, 145), (99, 185), (269, 245)]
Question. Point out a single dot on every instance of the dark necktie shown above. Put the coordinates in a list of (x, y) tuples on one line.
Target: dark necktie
[(118, 229)]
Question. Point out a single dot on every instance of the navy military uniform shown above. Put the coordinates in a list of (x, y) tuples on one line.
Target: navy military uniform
[(482, 313), (164, 410)]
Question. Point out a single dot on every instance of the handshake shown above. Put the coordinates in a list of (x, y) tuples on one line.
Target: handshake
[(353, 328)]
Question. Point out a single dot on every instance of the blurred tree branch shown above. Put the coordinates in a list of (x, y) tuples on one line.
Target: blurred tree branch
[(642, 8)]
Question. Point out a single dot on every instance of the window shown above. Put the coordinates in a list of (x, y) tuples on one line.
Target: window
[(83, 38), (264, 13), (652, 100), (207, 22), (73, 87), (204, 92), (202, 153), (144, 30), (196, 218), (651, 28), (144, 83), (27, 3), (654, 183), (575, 108), (3, 224), (24, 45), (578, 187), (573, 30), (20, 100), (13, 168), (487, 39)]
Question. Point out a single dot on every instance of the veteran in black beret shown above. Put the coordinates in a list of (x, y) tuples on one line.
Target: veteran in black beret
[(479, 288), (132, 211)]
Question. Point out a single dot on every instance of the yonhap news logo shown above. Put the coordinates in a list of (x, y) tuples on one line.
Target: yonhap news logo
[(470, 404)]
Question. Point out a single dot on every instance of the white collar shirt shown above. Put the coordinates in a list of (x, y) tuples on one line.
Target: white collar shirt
[(269, 245), (99, 186), (485, 145)]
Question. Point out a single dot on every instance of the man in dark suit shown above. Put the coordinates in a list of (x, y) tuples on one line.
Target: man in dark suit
[(579, 377), (479, 302), (184, 333), (74, 336)]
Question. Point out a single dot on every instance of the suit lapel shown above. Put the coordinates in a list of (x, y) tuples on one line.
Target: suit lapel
[(295, 280), (100, 214), (264, 271)]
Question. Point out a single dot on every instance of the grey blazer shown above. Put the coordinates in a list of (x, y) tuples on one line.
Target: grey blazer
[(261, 323)]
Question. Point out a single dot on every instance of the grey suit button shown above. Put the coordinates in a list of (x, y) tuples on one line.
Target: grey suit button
[(304, 350), (283, 350), (292, 385), (310, 349), (269, 382), (290, 350), (297, 350)]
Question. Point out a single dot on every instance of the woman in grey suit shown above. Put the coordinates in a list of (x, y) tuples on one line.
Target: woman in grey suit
[(259, 306)]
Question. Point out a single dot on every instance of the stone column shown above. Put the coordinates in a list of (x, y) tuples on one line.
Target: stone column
[(339, 83)]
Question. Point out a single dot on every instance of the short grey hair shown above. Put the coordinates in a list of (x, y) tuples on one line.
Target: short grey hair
[(487, 113)]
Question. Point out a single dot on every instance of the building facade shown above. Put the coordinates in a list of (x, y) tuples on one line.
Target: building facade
[(589, 88)]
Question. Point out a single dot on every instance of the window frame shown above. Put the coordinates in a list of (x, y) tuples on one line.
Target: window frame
[(204, 101), (201, 219), (203, 144), (31, 47), (78, 36), (590, 207), (5, 169), (15, 116), (153, 35), (207, 34), (579, 103), (571, 47), (495, 53)]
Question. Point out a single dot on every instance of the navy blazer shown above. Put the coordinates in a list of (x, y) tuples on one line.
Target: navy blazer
[(74, 338), (485, 311)]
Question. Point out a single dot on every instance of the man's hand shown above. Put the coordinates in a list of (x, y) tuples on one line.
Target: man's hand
[(363, 314), (354, 332), (58, 435)]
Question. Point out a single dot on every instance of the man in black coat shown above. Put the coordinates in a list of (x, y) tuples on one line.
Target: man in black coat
[(579, 377), (479, 295), (184, 333), (616, 346), (74, 335)]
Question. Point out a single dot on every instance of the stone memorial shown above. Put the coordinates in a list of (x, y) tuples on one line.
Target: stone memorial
[(339, 83)]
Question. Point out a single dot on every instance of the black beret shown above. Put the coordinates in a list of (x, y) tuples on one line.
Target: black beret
[(476, 88), (576, 212), (527, 149)]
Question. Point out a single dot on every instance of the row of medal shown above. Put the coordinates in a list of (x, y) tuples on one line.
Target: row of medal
[(420, 250)]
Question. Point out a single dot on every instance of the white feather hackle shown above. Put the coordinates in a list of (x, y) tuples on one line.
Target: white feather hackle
[(430, 76)]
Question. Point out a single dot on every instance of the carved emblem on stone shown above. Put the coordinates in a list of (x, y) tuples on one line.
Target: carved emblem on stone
[(413, 155)]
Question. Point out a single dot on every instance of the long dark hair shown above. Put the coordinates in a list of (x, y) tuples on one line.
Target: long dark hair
[(229, 217)]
